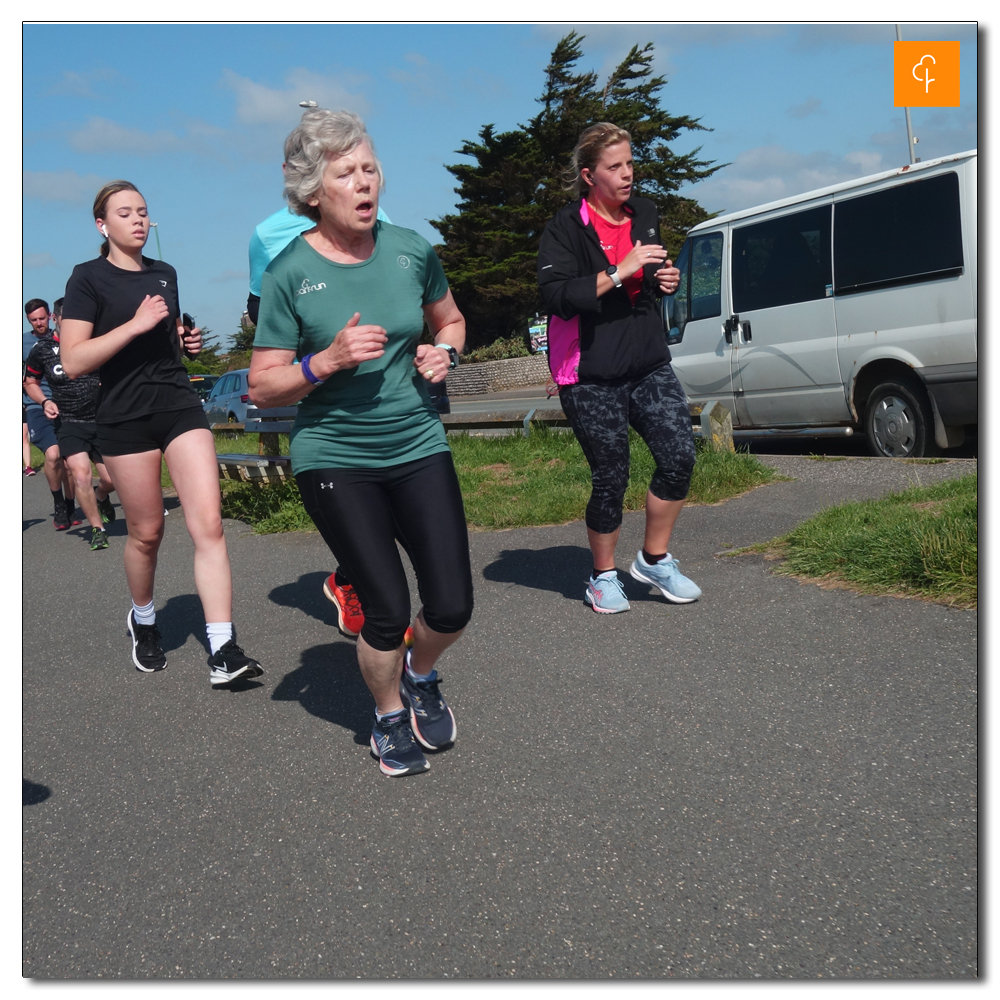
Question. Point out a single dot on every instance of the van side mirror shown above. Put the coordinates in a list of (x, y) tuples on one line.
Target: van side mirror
[(672, 322)]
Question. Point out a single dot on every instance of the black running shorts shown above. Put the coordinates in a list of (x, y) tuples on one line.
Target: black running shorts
[(150, 433), (77, 436)]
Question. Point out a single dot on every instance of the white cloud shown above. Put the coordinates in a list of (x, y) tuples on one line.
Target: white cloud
[(425, 81), (64, 185), (941, 131), (100, 135), (230, 275), (810, 106), (76, 84), (257, 104), (35, 260), (768, 173)]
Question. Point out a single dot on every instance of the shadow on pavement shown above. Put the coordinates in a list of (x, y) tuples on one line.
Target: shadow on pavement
[(31, 522), (32, 793), (307, 595), (329, 685), (563, 569), (179, 618)]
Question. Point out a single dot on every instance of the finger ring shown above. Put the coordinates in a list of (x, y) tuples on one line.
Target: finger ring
[(429, 373)]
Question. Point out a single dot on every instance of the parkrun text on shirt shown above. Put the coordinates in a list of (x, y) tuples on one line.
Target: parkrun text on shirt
[(925, 74)]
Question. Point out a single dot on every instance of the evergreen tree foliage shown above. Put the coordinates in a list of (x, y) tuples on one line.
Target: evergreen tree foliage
[(208, 361), (518, 180)]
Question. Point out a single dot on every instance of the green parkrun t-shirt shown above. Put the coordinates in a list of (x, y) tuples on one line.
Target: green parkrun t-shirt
[(379, 413)]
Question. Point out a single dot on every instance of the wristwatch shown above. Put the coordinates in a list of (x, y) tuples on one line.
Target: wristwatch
[(612, 273), (452, 353)]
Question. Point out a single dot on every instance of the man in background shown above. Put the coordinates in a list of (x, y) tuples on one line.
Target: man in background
[(40, 428)]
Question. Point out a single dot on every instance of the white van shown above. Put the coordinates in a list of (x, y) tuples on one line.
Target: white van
[(849, 307)]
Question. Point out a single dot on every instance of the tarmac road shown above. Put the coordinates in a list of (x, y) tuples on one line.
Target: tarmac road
[(777, 781)]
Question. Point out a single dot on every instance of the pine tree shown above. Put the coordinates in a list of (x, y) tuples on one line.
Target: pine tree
[(630, 100), (518, 182)]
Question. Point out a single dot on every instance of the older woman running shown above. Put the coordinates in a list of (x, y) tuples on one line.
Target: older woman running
[(349, 299)]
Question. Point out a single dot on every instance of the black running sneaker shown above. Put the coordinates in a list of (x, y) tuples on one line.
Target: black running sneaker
[(98, 539), (146, 653), (432, 720), (394, 747), (231, 662), (106, 509), (60, 520)]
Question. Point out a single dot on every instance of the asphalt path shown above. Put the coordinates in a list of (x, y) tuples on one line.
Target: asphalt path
[(778, 781)]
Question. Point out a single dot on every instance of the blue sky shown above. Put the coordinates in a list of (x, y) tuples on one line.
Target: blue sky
[(196, 114)]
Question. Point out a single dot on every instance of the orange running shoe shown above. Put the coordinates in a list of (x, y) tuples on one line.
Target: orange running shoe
[(408, 637), (350, 617)]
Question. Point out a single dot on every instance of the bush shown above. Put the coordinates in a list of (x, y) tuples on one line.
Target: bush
[(499, 350)]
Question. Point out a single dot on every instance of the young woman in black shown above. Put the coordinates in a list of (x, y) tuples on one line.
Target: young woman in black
[(121, 315)]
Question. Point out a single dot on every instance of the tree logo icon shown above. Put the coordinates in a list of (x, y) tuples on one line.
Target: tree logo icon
[(917, 65), (922, 72)]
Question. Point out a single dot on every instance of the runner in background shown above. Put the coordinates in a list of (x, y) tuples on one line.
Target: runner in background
[(41, 432), (72, 410)]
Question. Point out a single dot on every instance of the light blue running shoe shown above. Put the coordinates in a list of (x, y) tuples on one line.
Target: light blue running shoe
[(605, 594), (667, 578)]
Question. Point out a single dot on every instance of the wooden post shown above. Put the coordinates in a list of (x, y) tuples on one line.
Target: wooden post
[(267, 443), (717, 426)]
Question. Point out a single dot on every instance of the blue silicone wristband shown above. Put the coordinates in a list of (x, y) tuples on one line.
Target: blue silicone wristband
[(308, 372)]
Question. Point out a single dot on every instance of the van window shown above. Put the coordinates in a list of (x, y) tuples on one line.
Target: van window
[(906, 233), (706, 276), (782, 260)]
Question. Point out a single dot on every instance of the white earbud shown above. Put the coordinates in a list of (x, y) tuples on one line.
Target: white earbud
[(104, 229)]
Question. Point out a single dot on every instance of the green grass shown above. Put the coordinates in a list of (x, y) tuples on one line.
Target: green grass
[(922, 542), (513, 481)]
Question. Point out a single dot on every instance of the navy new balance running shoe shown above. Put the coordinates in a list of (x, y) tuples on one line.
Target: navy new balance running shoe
[(395, 749)]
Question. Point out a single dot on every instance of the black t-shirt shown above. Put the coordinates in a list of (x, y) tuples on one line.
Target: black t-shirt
[(75, 397), (146, 376)]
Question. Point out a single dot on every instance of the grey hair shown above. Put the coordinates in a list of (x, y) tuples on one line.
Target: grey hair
[(320, 136)]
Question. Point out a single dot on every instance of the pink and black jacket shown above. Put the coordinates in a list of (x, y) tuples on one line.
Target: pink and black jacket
[(595, 339)]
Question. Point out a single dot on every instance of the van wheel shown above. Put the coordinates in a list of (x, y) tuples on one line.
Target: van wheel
[(898, 422), (232, 418)]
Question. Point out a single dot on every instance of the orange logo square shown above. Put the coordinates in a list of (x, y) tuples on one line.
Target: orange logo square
[(925, 74)]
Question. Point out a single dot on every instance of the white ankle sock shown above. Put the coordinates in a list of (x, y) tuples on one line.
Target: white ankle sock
[(145, 615), (219, 633)]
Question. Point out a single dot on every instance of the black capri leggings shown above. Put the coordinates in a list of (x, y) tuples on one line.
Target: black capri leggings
[(361, 512), (600, 414)]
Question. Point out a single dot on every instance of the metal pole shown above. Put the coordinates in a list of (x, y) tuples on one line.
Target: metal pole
[(909, 126), (156, 229)]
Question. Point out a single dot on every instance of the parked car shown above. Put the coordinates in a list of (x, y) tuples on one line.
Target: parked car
[(203, 384), (229, 398), (439, 396), (853, 307)]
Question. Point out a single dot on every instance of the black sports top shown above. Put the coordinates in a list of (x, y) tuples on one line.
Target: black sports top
[(146, 376), (75, 397)]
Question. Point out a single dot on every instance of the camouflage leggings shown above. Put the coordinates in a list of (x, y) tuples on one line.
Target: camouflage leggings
[(657, 408)]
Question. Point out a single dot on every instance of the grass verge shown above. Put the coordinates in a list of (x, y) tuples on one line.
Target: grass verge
[(514, 482), (920, 543)]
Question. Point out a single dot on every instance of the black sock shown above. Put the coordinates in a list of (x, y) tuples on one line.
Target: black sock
[(650, 559), (595, 572), (339, 579), (57, 497)]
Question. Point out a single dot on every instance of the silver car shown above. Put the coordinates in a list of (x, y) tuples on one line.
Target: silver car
[(229, 399)]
